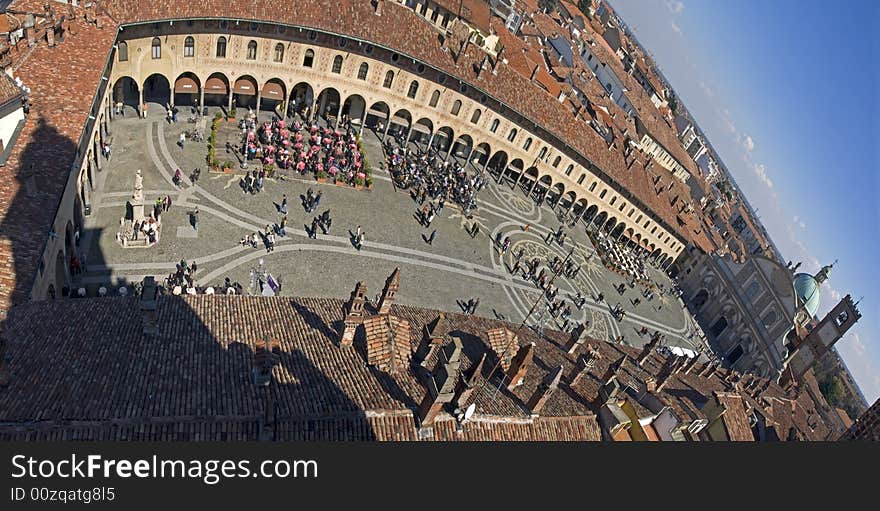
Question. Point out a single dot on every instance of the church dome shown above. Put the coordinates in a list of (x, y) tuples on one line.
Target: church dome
[(806, 287)]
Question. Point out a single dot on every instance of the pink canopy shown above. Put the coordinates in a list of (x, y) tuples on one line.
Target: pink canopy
[(320, 167), (269, 160), (282, 124), (299, 137), (303, 154), (301, 165), (361, 175), (286, 143)]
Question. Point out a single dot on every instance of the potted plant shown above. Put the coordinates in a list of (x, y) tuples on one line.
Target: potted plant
[(227, 166), (369, 183), (269, 168), (218, 115), (322, 176), (359, 182), (231, 116)]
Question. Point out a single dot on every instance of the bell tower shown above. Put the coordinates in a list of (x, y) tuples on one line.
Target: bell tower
[(804, 352)]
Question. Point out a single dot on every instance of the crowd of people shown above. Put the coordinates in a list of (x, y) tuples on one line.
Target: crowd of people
[(429, 177), (307, 149)]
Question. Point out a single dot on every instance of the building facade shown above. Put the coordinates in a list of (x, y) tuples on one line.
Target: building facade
[(271, 67)]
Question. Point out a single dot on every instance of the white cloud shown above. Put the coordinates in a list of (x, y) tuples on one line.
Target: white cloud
[(674, 6), (707, 90), (761, 172), (800, 223), (748, 144), (675, 27)]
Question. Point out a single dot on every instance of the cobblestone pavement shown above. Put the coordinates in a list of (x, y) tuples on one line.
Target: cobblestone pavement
[(443, 275)]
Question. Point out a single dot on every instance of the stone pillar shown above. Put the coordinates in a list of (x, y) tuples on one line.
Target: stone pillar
[(231, 97), (534, 185), (387, 127), (201, 99), (96, 150), (140, 107), (259, 100)]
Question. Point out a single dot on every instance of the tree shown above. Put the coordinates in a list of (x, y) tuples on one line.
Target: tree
[(834, 391)]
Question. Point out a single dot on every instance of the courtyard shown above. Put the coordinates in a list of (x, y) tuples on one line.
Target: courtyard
[(443, 275)]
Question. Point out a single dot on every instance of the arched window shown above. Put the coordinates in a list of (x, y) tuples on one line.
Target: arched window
[(569, 169), (557, 161), (769, 319), (221, 48), (123, 51), (475, 117), (456, 107), (337, 64), (752, 291), (309, 58), (718, 327), (593, 187), (435, 97), (528, 144), (157, 48), (389, 79), (279, 53), (512, 135), (494, 127), (602, 195), (543, 153), (189, 47), (735, 354), (581, 179), (413, 89), (252, 50), (363, 70)]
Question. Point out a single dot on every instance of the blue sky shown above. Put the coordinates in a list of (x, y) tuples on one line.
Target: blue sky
[(787, 92)]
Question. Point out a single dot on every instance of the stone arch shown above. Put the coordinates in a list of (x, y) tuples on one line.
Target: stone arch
[(328, 102), (127, 92), (515, 167), (463, 146), (422, 131), (217, 90), (590, 215), (401, 122), (157, 90), (555, 194), (529, 178), (599, 219), (579, 207), (355, 107), (700, 298), (443, 138), (187, 90), (609, 225), (378, 116), (273, 94), (244, 92), (302, 97), (567, 200), (618, 230), (60, 270), (481, 153), (497, 163)]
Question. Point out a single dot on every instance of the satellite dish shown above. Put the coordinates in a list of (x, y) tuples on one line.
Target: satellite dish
[(470, 411)]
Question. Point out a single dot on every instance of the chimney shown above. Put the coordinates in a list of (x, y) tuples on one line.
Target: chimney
[(467, 385), (520, 365), (577, 338), (377, 7), (149, 305), (435, 331), (50, 36), (691, 364), (354, 313), (392, 284), (29, 29), (650, 384), (264, 360), (441, 387), (648, 348), (544, 391)]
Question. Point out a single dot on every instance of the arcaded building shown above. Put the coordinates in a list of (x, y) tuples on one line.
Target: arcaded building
[(447, 84)]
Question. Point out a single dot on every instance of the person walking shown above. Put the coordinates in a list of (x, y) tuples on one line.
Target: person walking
[(313, 233), (282, 227), (432, 236), (283, 207)]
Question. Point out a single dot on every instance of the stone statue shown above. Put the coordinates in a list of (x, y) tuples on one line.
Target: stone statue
[(138, 194)]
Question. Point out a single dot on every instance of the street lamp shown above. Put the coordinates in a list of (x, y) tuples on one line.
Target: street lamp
[(256, 278)]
